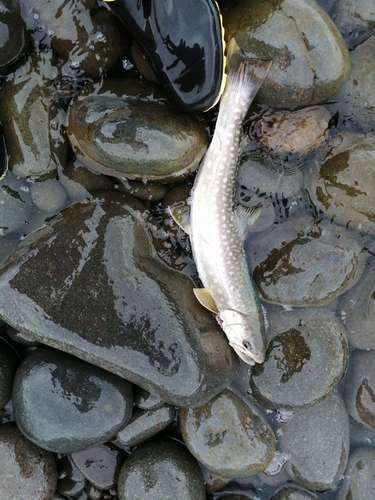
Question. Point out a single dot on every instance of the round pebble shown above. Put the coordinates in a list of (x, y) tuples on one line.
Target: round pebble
[(49, 195), (27, 472), (79, 393), (305, 360), (159, 470), (316, 440), (359, 480), (294, 493), (228, 436)]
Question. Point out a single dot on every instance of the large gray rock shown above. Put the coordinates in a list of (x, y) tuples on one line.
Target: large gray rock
[(95, 283)]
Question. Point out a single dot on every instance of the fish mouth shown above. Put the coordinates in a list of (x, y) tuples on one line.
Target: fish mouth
[(246, 356)]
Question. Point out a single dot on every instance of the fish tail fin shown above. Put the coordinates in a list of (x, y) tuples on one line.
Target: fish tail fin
[(245, 75)]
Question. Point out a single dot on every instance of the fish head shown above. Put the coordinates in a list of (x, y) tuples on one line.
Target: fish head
[(244, 336)]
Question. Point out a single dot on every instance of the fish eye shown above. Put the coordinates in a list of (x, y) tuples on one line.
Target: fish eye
[(247, 345)]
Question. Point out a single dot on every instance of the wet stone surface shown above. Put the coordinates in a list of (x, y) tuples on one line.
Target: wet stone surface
[(79, 393), (316, 440), (9, 362), (228, 436), (294, 493), (305, 360), (281, 257), (360, 388), (359, 480), (129, 312), (134, 133), (310, 58), (161, 469), (27, 471)]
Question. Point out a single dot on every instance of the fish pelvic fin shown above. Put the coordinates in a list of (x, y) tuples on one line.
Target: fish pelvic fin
[(205, 298), (246, 217), (245, 75), (181, 216)]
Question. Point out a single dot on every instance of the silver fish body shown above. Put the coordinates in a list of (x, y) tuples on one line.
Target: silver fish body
[(218, 226)]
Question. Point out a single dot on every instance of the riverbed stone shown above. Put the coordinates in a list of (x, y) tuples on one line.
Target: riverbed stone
[(228, 436), (359, 480), (33, 118), (305, 360), (79, 393), (26, 470), (9, 362), (160, 469), (342, 186), (355, 19), (16, 204), (13, 35), (317, 442), (310, 58), (360, 388), (113, 295), (281, 261), (291, 492), (125, 128)]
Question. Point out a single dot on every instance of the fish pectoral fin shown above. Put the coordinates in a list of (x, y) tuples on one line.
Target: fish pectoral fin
[(205, 298), (181, 216), (246, 216)]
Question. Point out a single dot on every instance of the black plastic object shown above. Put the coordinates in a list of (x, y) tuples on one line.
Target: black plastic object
[(183, 42)]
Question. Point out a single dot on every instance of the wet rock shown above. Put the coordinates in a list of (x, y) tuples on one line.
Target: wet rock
[(342, 186), (144, 191), (9, 362), (125, 128), (305, 360), (48, 196), (20, 338), (355, 19), (228, 436), (361, 435), (356, 98), (78, 392), (100, 465), (79, 183), (310, 58), (302, 262), (359, 480), (147, 401), (236, 496), (317, 442), (146, 424), (13, 36), (294, 493), (357, 310), (110, 296), (360, 388), (33, 118), (88, 39), (71, 480), (161, 469), (15, 202), (26, 470)]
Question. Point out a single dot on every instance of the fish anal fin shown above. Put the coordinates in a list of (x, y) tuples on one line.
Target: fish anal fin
[(246, 216), (205, 298), (181, 216)]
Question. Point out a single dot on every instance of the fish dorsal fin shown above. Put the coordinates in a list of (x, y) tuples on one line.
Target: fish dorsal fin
[(205, 298), (246, 216), (181, 216)]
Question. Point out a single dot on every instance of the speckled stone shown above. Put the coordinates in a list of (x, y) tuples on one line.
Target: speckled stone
[(305, 360), (27, 472), (359, 479), (145, 424), (113, 294), (161, 469), (360, 387), (228, 436), (316, 440), (78, 392)]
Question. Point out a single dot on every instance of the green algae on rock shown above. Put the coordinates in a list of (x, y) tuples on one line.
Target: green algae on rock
[(125, 128), (108, 296)]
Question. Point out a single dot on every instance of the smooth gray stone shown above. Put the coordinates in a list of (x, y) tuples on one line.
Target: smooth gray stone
[(359, 480), (27, 472), (161, 469), (109, 295), (305, 360), (228, 436), (317, 442), (147, 401), (146, 424), (291, 492), (64, 404)]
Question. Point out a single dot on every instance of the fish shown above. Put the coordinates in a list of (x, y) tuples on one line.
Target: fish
[(218, 226)]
